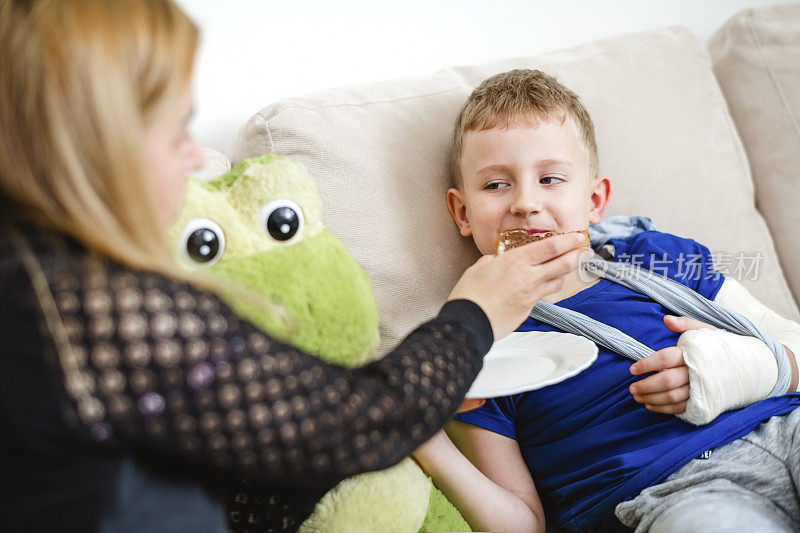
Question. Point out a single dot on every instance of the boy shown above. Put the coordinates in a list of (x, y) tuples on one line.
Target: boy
[(525, 157)]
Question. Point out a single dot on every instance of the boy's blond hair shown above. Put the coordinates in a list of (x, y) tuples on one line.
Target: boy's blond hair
[(522, 95)]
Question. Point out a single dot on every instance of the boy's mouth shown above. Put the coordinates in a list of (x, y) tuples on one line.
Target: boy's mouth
[(518, 237), (537, 232)]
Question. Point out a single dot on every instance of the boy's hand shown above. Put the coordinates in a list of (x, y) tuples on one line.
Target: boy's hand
[(668, 390)]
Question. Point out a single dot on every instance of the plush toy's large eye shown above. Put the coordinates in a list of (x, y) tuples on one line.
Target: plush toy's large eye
[(203, 241), (282, 219)]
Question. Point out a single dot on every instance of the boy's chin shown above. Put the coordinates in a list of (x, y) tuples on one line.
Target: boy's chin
[(485, 248)]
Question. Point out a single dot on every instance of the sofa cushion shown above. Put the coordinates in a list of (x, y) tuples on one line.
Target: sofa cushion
[(214, 164), (756, 57), (379, 155)]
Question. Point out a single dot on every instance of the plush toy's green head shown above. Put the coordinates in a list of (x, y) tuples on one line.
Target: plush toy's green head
[(259, 226)]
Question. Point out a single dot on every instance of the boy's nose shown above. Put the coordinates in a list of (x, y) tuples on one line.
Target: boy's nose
[(525, 202)]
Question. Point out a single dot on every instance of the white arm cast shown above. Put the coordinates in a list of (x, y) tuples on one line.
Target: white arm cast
[(728, 371)]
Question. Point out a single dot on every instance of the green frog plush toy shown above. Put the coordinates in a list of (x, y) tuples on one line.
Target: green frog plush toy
[(259, 225)]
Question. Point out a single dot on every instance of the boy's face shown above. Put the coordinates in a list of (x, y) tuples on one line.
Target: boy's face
[(530, 177)]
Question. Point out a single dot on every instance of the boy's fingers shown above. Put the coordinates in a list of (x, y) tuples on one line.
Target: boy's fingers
[(669, 409), (672, 396), (671, 378), (670, 357), (680, 324)]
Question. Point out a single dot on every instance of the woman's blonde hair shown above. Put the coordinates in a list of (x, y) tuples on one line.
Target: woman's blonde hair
[(80, 81)]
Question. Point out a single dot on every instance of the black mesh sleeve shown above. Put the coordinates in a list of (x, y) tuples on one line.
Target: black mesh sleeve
[(159, 365)]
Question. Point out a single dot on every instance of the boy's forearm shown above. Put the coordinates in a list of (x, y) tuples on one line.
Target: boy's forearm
[(736, 297), (485, 505)]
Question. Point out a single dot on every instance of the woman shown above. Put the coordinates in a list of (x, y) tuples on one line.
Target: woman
[(116, 417)]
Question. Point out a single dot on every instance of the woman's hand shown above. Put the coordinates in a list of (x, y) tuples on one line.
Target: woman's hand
[(508, 285), (667, 391)]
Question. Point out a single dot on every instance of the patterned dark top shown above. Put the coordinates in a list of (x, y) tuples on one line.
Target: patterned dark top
[(100, 364)]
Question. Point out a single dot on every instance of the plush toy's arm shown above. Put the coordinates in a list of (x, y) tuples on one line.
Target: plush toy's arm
[(178, 372), (728, 371)]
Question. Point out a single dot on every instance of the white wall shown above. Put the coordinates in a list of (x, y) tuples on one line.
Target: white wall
[(255, 52)]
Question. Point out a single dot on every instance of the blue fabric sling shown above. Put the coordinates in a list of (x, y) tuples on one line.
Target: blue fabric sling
[(674, 296)]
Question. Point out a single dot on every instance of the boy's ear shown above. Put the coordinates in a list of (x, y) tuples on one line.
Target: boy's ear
[(458, 210), (601, 192)]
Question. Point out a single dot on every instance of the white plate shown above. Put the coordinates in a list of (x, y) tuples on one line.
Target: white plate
[(529, 360)]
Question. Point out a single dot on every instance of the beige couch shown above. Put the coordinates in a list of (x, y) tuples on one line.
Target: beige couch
[(703, 139)]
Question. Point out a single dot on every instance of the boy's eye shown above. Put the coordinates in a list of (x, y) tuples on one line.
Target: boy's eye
[(550, 180), (496, 185)]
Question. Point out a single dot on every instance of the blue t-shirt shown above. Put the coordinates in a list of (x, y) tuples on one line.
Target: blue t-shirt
[(587, 443)]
